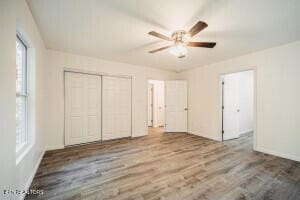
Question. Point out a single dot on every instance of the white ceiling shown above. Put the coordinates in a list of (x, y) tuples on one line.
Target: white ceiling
[(117, 29)]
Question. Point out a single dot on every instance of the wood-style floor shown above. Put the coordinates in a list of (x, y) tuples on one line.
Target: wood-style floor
[(166, 166)]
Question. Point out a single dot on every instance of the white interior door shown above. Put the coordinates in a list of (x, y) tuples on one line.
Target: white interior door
[(230, 109), (82, 108), (116, 107), (150, 104), (176, 106)]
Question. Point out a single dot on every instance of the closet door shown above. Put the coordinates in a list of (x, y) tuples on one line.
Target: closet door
[(116, 107), (82, 108)]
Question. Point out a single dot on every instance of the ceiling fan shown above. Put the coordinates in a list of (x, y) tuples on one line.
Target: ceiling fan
[(181, 39)]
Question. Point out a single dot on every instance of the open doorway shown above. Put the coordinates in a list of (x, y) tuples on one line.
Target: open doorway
[(237, 105), (156, 106)]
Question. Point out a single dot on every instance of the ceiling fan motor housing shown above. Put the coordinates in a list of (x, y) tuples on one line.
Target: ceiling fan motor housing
[(178, 36)]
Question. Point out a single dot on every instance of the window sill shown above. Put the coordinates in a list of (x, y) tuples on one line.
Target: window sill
[(20, 156)]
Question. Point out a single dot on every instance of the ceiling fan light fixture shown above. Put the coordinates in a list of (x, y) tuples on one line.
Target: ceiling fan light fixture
[(179, 50), (181, 39), (186, 37)]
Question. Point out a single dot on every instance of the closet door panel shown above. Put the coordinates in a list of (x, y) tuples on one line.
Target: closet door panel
[(93, 107), (74, 107), (116, 108), (82, 108), (124, 108), (108, 107)]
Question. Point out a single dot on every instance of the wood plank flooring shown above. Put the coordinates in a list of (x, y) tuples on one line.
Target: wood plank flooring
[(166, 166)]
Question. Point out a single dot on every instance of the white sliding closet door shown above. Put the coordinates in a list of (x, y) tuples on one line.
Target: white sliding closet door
[(82, 108), (116, 107)]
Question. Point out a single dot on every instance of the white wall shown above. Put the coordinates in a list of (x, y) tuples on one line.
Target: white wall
[(7, 97), (58, 61), (158, 102), (245, 101), (37, 63), (277, 97), (15, 15)]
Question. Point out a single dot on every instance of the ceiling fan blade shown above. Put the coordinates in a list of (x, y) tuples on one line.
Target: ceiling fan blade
[(161, 36), (202, 44), (160, 49), (197, 28)]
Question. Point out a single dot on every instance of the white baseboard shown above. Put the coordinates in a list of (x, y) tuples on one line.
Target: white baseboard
[(48, 148), (245, 131), (139, 134), (204, 135), (30, 179), (278, 154)]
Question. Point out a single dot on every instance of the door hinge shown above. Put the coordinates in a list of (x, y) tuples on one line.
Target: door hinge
[(151, 120), (223, 107), (222, 82), (222, 131)]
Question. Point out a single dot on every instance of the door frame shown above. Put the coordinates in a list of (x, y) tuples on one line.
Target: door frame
[(147, 81), (254, 69), (72, 70), (152, 105)]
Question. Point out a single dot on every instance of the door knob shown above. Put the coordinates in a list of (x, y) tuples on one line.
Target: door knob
[(186, 109)]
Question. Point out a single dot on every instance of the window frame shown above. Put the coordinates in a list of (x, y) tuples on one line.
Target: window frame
[(21, 149)]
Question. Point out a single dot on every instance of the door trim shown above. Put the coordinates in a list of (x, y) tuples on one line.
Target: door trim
[(152, 103), (95, 73), (222, 107)]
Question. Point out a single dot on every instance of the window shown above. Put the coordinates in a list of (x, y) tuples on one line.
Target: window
[(21, 95)]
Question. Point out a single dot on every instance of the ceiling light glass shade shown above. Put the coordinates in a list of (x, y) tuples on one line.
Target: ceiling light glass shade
[(178, 50), (186, 37)]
